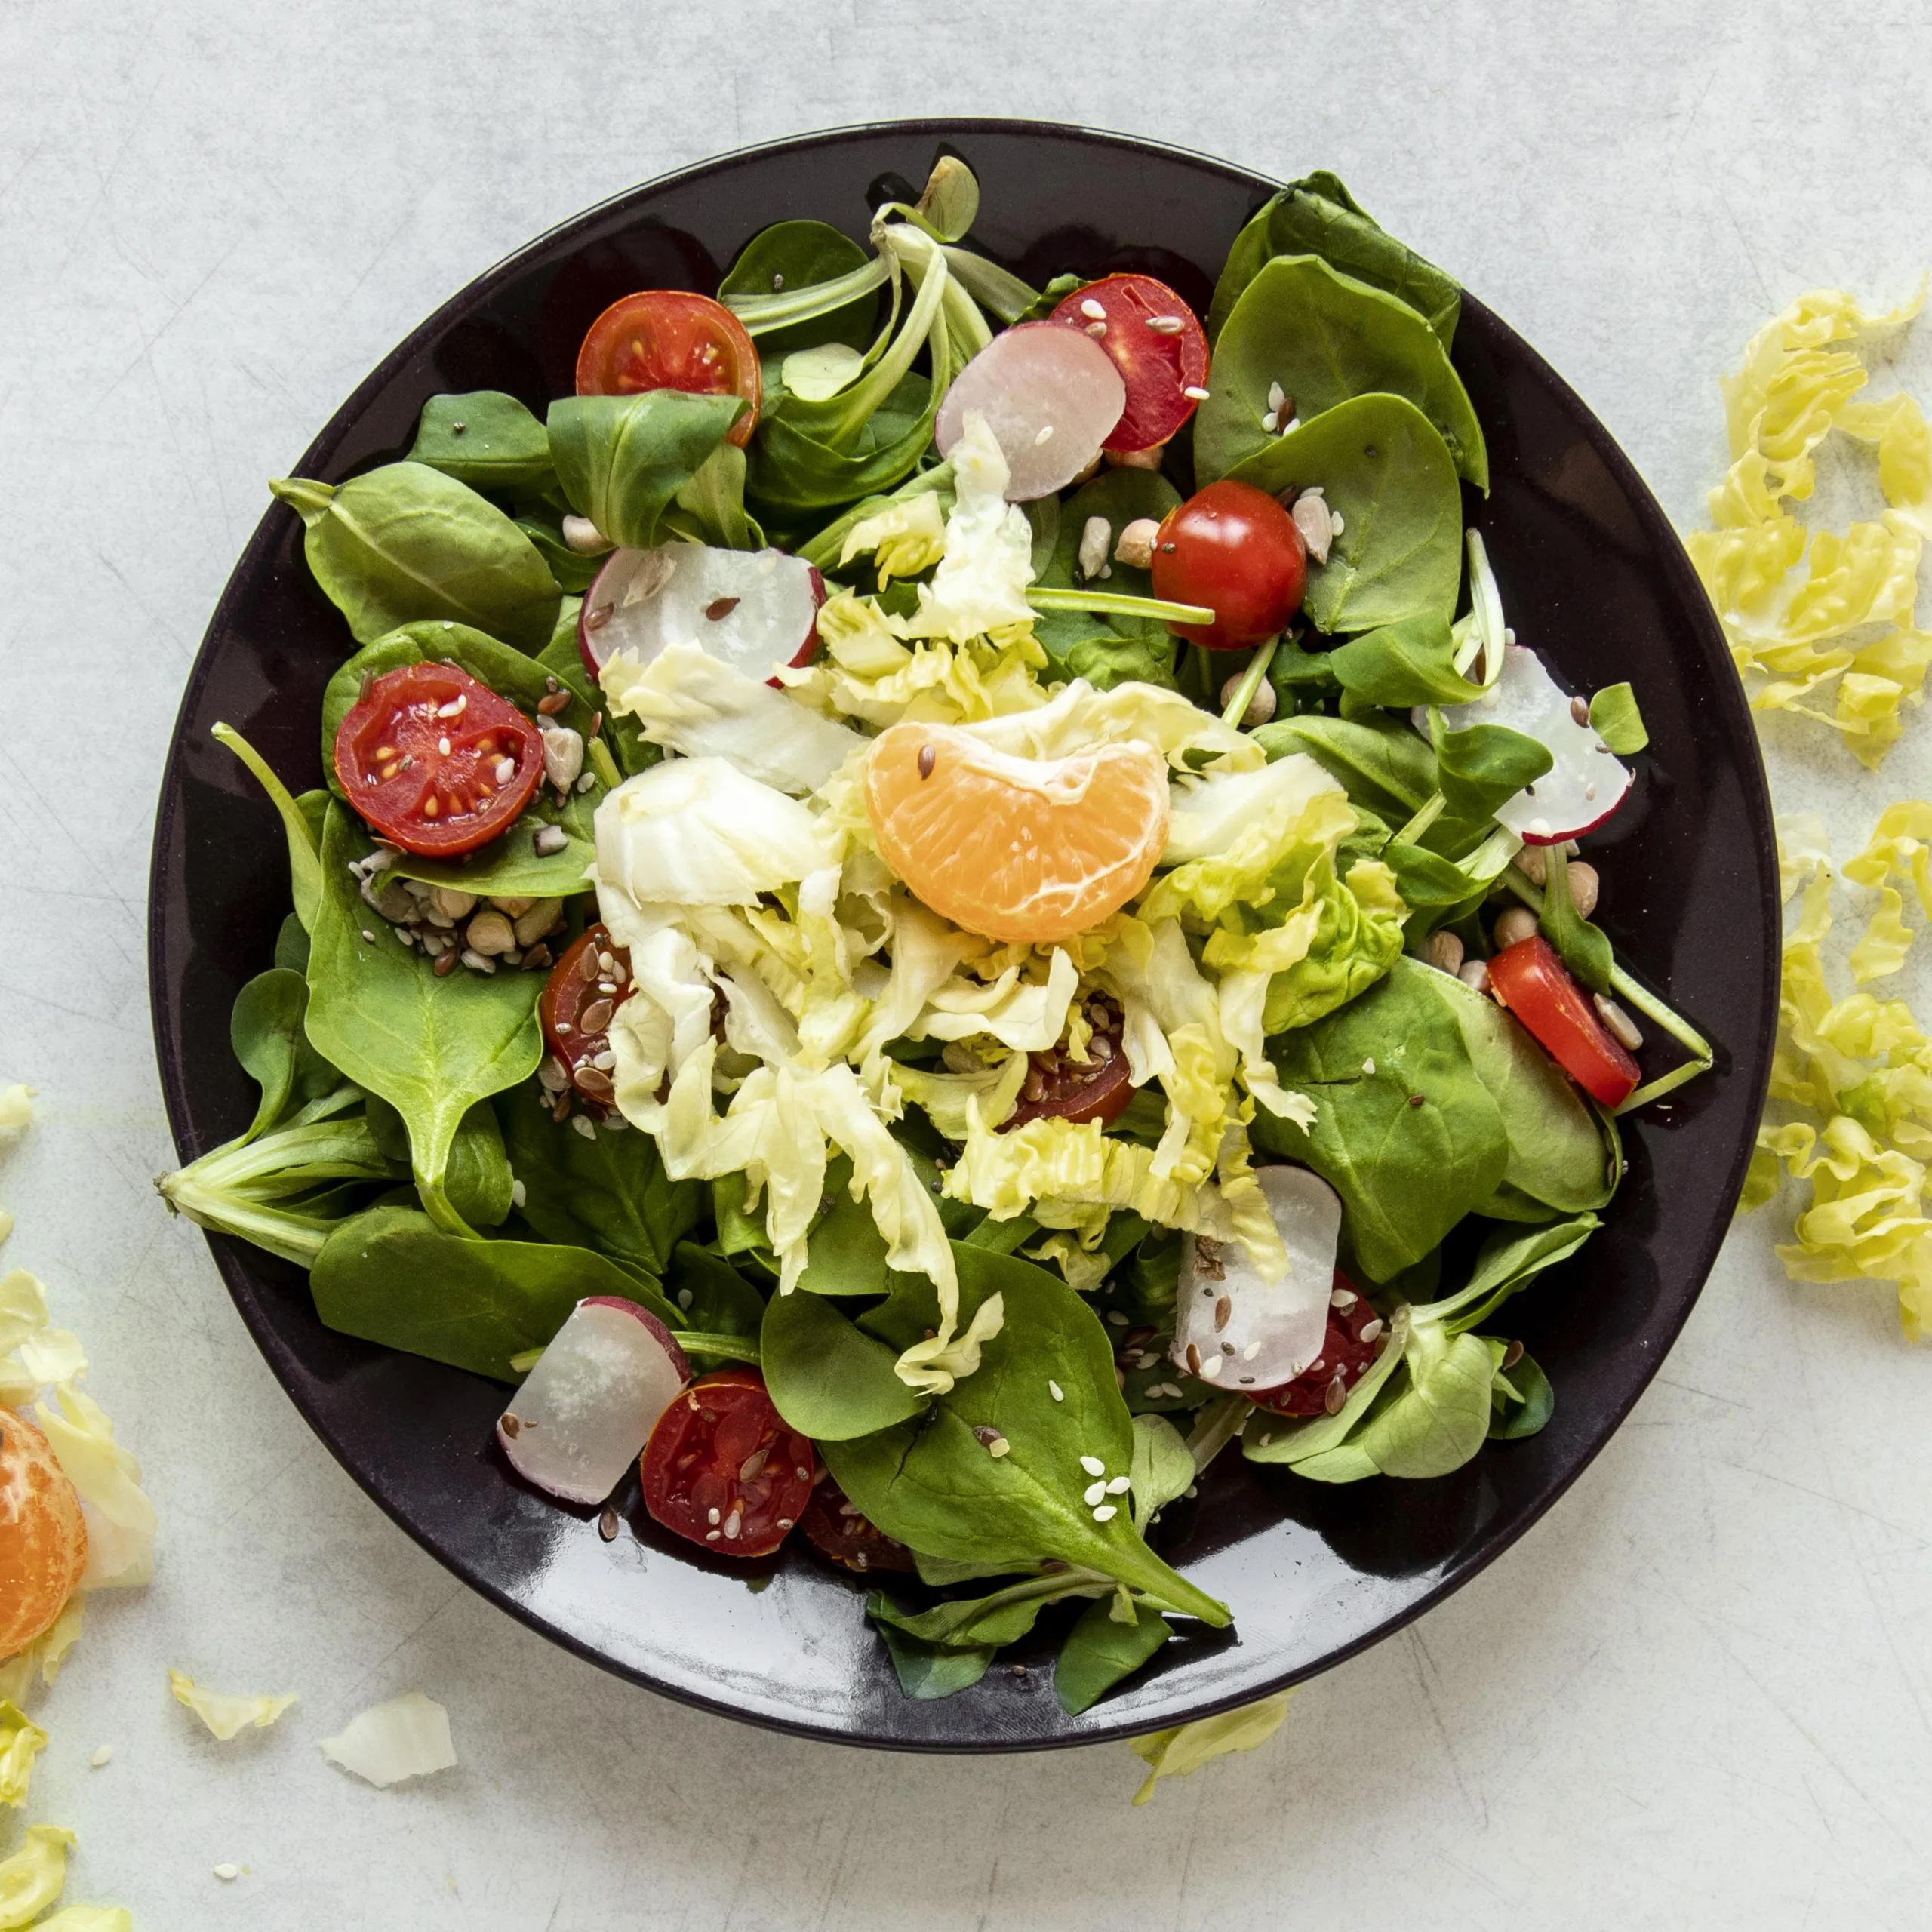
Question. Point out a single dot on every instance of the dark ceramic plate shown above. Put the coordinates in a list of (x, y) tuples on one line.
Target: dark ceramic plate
[(1591, 573)]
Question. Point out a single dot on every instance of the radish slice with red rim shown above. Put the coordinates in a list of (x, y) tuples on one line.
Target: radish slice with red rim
[(1587, 782), (586, 1409), (1050, 396), (1239, 1332), (755, 609)]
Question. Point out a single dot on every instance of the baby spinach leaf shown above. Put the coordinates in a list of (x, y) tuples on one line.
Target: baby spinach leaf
[(478, 1183), (710, 508), (1408, 663), (1556, 1144), (791, 255), (1615, 719), (509, 866), (1522, 1400), (432, 1048), (1426, 879), (1101, 1652), (827, 1377), (574, 572), (1380, 763), (1482, 765), (1585, 949), (713, 1298), (927, 1671), (266, 1030), (299, 826), (610, 1195), (1003, 1617), (1162, 1469), (1272, 1439), (1383, 467), (1317, 216), (845, 1253), (406, 542), (486, 439), (1404, 1131), (931, 1483), (800, 463), (1326, 338), (622, 459), (1437, 1422), (391, 1276), (1107, 650), (1507, 1263)]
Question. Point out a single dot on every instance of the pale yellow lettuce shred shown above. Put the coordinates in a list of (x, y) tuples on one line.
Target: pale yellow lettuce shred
[(1174, 1754), (1852, 1076), (1804, 611), (226, 1713), (34, 1878), (21, 1741)]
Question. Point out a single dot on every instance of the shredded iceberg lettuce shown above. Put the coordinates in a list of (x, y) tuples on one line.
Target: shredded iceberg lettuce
[(408, 1737), (903, 539), (226, 1714), (34, 1878), (1174, 1754), (21, 1741)]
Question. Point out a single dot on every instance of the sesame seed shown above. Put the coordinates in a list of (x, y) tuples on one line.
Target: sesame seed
[(1094, 1493), (1269, 422), (1194, 393), (1107, 1512), (443, 746), (1092, 1465), (1252, 1349), (1055, 1390), (1368, 1067), (1211, 1368), (1342, 1298), (714, 1516), (1120, 1485), (711, 1536), (1370, 1330), (1276, 396), (1045, 435), (583, 1124), (368, 935), (1093, 311), (226, 1872), (1096, 328), (1115, 1316), (101, 1757)]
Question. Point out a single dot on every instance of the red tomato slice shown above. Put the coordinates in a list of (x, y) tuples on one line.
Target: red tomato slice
[(834, 1527), (1531, 981), (1059, 1087), (723, 1468), (578, 1001), (670, 339), (436, 762), (1160, 362), (1233, 548), (1355, 1338)]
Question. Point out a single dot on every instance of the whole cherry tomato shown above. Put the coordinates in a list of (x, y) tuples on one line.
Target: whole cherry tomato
[(1236, 549)]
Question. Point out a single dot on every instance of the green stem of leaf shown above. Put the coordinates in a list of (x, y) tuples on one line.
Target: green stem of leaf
[(1236, 708), (606, 766), (990, 285), (761, 314), (1669, 1083), (1117, 604), (436, 1205), (698, 1341), (304, 856), (1431, 809), (1220, 1423)]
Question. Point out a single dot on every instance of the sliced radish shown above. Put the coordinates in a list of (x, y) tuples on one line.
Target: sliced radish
[(586, 1410), (755, 609), (1235, 1329), (1587, 782), (1051, 397)]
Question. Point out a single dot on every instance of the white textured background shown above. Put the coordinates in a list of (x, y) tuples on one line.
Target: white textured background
[(1697, 1695)]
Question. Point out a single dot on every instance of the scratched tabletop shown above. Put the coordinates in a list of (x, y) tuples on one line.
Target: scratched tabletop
[(1696, 1693)]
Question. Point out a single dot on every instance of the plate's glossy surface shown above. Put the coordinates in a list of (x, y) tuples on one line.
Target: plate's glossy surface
[(1591, 573)]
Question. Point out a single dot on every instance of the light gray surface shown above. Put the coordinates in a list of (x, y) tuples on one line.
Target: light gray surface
[(1697, 1693)]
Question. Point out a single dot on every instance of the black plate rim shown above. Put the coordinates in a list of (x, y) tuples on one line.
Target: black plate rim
[(231, 1256)]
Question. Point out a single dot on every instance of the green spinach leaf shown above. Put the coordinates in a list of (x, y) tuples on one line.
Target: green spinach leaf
[(1326, 338), (927, 1671), (1107, 650), (712, 1298), (1522, 1400), (1272, 1439), (393, 1277), (1481, 766), (1404, 1131), (1585, 949), (826, 1376), (478, 1183), (1507, 1263), (486, 439), (266, 1030), (791, 255), (432, 1048), (299, 826), (1408, 663), (575, 573), (406, 542), (1317, 216), (1100, 1652), (1615, 719), (622, 459), (1381, 764)]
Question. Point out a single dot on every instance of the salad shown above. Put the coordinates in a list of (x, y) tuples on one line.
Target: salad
[(936, 901)]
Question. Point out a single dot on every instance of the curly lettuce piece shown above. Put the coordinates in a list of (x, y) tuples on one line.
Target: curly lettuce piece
[(120, 1518), (226, 1714), (42, 1660), (89, 1919), (21, 1741), (1023, 1013), (16, 1112), (1079, 718), (1175, 1753), (36, 1875), (906, 537)]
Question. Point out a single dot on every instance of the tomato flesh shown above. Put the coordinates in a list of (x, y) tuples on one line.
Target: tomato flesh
[(723, 1468), (1235, 549), (578, 1001), (1355, 1338), (1159, 364), (834, 1528), (1532, 982), (436, 762), (1060, 1087), (670, 339)]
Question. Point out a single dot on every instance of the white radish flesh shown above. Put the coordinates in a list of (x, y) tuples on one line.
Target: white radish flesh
[(755, 609), (1261, 1334), (586, 1410), (1585, 785), (1050, 395)]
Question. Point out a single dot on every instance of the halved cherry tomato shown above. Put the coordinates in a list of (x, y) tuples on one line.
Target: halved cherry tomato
[(1531, 981), (1233, 548), (1356, 1336), (670, 339), (1059, 1087), (1157, 344), (834, 1528), (723, 1468), (436, 762), (578, 1000)]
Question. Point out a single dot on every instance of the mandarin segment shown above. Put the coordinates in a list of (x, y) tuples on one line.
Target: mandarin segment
[(43, 1540), (1028, 850)]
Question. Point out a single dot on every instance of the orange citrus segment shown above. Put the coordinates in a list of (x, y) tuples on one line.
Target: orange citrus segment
[(43, 1541), (1022, 849)]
